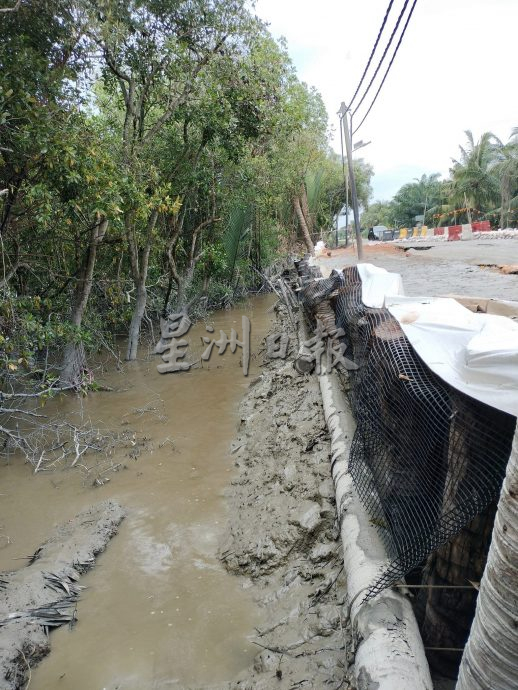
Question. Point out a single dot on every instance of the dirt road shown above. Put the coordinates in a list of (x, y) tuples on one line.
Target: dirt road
[(445, 268)]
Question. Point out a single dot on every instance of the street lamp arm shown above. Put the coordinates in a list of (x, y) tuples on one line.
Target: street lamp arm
[(360, 145)]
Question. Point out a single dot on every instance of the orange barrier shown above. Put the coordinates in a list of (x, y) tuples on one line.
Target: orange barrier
[(454, 233), (481, 226)]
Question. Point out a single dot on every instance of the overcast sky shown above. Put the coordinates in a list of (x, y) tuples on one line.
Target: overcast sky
[(455, 70)]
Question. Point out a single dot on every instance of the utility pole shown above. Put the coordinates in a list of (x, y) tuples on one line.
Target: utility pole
[(346, 182), (352, 180), (337, 229), (347, 209)]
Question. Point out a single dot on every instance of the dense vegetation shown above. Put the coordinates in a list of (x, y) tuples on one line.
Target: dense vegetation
[(483, 184), (156, 155)]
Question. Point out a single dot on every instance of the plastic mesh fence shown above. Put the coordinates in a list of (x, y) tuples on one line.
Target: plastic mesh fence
[(425, 458), (314, 291)]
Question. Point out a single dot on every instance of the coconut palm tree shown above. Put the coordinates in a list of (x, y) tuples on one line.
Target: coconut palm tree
[(490, 659), (475, 181), (417, 198), (505, 166)]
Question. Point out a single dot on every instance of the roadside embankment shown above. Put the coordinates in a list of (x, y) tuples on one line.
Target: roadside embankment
[(283, 533), (387, 649)]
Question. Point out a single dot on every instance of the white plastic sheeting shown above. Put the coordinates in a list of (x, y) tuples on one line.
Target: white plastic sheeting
[(378, 282), (320, 248), (475, 353)]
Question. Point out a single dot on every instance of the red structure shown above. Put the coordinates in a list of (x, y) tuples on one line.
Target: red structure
[(454, 233), (481, 226)]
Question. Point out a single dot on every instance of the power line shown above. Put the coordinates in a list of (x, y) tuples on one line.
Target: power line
[(388, 68), (372, 51), (384, 55)]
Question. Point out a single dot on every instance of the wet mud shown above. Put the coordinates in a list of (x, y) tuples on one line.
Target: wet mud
[(284, 535), (44, 594), (226, 572), (159, 609)]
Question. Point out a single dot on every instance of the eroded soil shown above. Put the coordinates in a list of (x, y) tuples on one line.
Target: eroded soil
[(226, 572), (284, 535)]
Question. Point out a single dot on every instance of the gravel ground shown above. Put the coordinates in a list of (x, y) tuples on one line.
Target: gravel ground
[(446, 268)]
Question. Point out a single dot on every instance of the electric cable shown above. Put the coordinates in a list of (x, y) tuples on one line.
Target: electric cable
[(387, 12), (394, 31), (388, 68)]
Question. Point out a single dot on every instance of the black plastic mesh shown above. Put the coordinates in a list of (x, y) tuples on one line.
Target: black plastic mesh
[(425, 458), (314, 291)]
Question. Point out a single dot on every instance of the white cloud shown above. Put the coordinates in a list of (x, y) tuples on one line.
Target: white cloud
[(454, 71)]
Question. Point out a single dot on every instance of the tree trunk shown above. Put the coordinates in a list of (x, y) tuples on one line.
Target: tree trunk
[(73, 366), (139, 260), (303, 225), (490, 658), (449, 612), (136, 320), (303, 196), (74, 359), (184, 281), (504, 201), (184, 286), (182, 292), (468, 210)]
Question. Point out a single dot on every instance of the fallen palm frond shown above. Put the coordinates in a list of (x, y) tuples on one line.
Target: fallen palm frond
[(39, 597), (50, 616)]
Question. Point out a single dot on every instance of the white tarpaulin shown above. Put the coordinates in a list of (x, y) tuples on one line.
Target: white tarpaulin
[(378, 282), (473, 352)]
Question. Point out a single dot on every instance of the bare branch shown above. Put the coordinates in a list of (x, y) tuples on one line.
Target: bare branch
[(50, 389), (180, 100), (11, 9), (4, 281), (12, 410), (10, 434)]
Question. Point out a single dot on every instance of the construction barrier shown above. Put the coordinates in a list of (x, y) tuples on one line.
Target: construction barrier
[(426, 458), (481, 226), (467, 232), (454, 233)]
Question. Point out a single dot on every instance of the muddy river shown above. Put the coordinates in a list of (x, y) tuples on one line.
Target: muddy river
[(159, 610)]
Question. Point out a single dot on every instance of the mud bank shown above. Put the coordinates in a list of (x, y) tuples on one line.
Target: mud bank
[(283, 534), (45, 593)]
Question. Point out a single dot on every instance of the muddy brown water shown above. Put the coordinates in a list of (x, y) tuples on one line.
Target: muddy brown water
[(159, 610)]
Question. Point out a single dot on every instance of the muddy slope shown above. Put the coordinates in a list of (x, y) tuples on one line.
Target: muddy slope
[(44, 595), (283, 533)]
